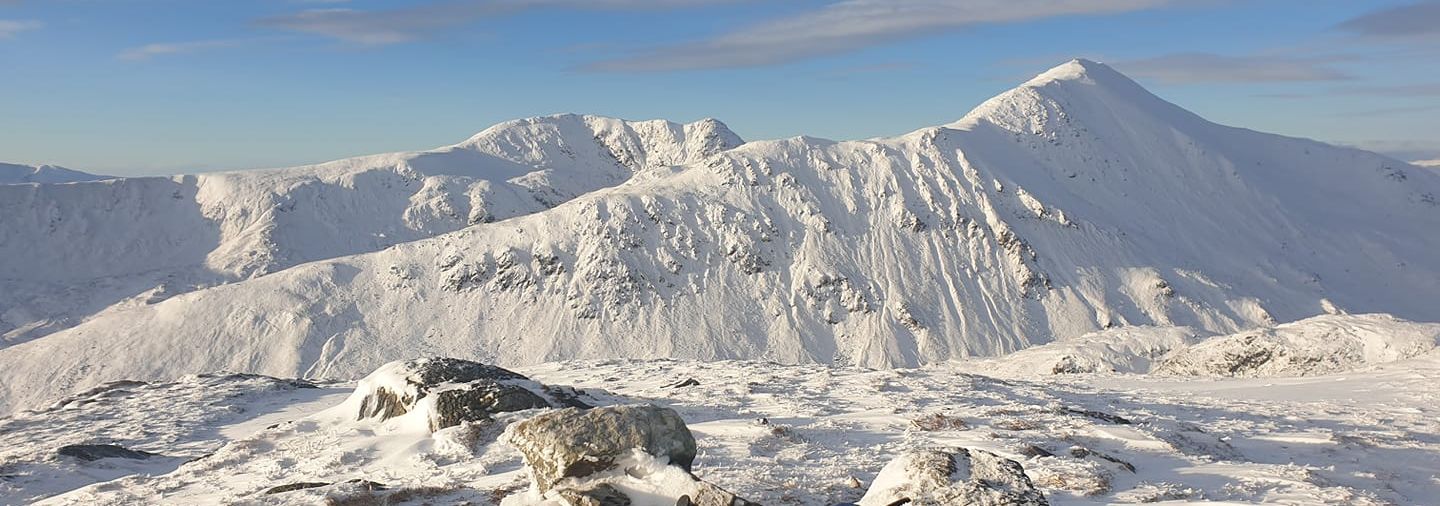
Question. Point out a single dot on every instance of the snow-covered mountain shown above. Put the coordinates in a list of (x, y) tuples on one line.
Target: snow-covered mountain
[(11, 173), (1427, 163), (1075, 202), (73, 250)]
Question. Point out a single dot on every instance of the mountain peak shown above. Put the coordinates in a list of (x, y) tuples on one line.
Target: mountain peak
[(1080, 87), (1084, 71)]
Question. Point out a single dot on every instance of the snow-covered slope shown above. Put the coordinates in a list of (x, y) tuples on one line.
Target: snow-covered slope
[(1427, 163), (1325, 344), (42, 174), (1071, 204), (1321, 345), (72, 250)]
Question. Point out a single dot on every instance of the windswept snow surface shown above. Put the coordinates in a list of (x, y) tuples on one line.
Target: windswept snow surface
[(11, 173), (1074, 203), (774, 434)]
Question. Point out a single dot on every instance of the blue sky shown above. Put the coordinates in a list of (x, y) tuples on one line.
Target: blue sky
[(166, 86)]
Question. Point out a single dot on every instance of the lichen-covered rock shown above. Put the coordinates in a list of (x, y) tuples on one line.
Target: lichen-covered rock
[(571, 443), (478, 400), (952, 478)]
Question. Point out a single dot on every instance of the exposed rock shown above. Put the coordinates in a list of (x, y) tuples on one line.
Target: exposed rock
[(1081, 452), (452, 391), (478, 400), (90, 453), (952, 477), (708, 494), (390, 398), (566, 397), (939, 421), (602, 495), (573, 443), (1098, 415), (291, 487), (1035, 451), (687, 382)]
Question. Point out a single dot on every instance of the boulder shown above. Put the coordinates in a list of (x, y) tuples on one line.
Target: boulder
[(478, 400), (394, 388), (571, 443), (954, 478), (451, 391)]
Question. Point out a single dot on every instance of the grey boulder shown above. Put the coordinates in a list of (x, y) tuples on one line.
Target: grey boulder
[(571, 443)]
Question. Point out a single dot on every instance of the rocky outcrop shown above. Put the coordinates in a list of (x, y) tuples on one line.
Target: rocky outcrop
[(450, 392), (952, 478)]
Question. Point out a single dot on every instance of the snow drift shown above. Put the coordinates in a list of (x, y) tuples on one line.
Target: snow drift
[(1074, 203)]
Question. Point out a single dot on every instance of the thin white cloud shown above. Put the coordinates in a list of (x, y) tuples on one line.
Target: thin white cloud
[(849, 25), (10, 28), (1412, 21), (1191, 68), (149, 51), (380, 27)]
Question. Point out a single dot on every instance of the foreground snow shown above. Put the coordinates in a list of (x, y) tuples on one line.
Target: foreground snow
[(776, 434)]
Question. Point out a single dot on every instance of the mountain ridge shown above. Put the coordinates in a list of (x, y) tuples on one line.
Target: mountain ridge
[(141, 240), (13, 173), (1068, 205)]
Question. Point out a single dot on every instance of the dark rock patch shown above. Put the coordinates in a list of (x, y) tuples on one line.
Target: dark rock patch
[(95, 452)]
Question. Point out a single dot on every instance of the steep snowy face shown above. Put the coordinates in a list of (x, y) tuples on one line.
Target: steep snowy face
[(1074, 203), (44, 174), (73, 250), (1215, 211)]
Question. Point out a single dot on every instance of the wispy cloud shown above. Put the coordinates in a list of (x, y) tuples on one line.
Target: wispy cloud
[(150, 51), (849, 25), (1389, 111), (380, 27), (1408, 90), (9, 28), (1417, 20), (1190, 68)]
